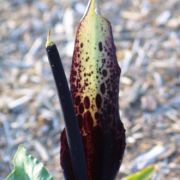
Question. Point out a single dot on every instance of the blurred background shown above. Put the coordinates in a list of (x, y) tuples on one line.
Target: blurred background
[(147, 37)]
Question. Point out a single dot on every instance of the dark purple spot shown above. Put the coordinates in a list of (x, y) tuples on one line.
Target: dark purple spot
[(73, 79), (86, 102), (102, 88), (76, 64), (100, 46), (98, 101), (88, 121), (77, 100), (81, 45), (104, 72), (74, 73), (87, 59), (81, 108), (79, 86)]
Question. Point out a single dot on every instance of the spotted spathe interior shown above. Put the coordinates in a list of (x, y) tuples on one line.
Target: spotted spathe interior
[(94, 84)]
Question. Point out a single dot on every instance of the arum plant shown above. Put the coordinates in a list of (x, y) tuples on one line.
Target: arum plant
[(93, 141), (94, 85)]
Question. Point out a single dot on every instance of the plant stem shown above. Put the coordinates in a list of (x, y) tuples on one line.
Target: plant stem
[(71, 124)]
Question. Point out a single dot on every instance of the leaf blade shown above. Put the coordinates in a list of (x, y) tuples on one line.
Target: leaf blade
[(144, 174), (27, 167)]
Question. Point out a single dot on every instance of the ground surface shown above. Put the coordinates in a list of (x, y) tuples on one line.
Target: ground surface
[(147, 37)]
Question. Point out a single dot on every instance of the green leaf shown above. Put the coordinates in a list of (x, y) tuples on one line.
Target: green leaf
[(144, 174), (26, 167)]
